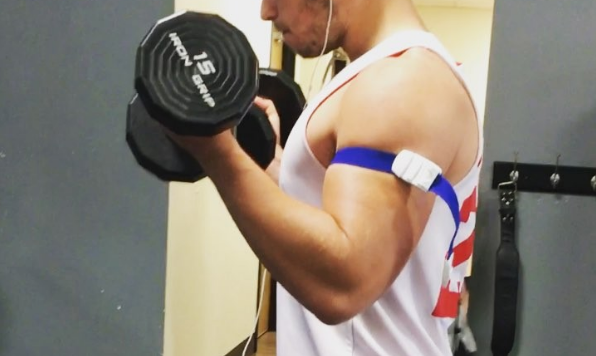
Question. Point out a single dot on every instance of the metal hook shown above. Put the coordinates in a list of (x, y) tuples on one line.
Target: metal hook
[(555, 178), (511, 194), (509, 197), (593, 183), (514, 175)]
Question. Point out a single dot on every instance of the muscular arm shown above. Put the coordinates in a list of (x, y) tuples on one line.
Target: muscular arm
[(339, 259)]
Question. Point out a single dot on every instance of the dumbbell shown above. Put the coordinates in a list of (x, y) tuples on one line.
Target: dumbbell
[(158, 154), (196, 74)]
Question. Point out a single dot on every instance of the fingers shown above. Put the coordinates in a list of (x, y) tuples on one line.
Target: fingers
[(266, 105), (269, 108)]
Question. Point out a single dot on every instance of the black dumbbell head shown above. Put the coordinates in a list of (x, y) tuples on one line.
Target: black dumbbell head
[(154, 150), (196, 73), (287, 96)]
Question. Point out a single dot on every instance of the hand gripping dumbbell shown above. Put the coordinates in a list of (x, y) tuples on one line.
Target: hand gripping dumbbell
[(196, 74)]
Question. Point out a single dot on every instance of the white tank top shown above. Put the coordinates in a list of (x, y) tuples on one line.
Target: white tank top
[(412, 316)]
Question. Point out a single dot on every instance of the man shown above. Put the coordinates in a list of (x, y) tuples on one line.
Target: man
[(359, 253)]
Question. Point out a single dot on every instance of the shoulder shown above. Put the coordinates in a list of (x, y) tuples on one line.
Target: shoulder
[(417, 74), (413, 101)]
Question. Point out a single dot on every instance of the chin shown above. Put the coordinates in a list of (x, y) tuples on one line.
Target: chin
[(301, 51), (310, 52), (306, 50)]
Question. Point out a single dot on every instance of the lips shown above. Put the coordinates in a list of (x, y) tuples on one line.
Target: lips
[(281, 29)]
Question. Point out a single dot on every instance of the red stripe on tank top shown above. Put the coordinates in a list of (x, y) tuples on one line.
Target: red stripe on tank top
[(463, 251), (468, 207)]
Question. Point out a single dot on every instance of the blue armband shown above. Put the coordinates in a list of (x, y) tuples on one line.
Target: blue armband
[(410, 167)]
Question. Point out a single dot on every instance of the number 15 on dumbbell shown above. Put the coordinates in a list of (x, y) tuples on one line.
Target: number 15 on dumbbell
[(196, 74), (203, 63)]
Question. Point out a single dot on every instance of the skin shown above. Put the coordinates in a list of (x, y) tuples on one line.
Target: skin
[(338, 259)]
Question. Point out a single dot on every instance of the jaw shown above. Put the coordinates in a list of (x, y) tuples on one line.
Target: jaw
[(308, 45)]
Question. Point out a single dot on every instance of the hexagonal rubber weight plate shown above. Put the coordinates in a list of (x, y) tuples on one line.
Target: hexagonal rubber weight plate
[(154, 150), (287, 96), (256, 136), (196, 73)]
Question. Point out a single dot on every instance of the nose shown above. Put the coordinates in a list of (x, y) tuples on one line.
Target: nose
[(268, 10)]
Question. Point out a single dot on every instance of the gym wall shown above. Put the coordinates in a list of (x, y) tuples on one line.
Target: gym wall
[(82, 226), (541, 101), (212, 275)]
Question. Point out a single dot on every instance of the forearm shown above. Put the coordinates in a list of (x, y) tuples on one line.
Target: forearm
[(302, 246)]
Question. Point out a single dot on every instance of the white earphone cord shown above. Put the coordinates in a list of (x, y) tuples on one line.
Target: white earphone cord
[(323, 50), (258, 312)]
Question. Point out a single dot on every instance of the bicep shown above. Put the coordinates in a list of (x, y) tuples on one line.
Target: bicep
[(381, 217)]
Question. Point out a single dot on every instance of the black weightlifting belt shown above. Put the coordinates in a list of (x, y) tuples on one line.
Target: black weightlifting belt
[(506, 277)]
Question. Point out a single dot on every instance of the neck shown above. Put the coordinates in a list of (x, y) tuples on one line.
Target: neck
[(376, 21)]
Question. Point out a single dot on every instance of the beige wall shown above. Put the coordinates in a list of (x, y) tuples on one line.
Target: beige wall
[(212, 275), (467, 34)]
